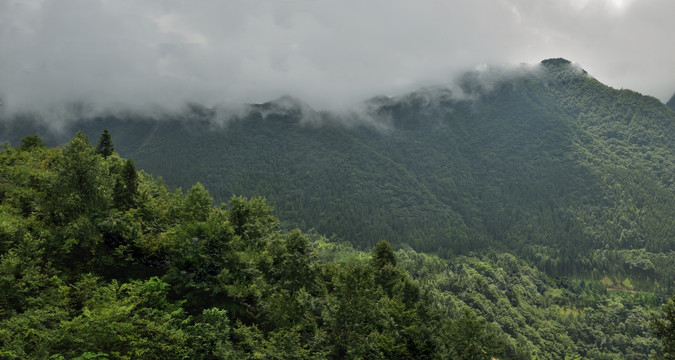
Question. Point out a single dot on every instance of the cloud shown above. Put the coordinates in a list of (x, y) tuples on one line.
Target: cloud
[(329, 53)]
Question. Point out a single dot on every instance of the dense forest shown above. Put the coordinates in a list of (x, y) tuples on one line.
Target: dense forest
[(544, 162), (101, 261)]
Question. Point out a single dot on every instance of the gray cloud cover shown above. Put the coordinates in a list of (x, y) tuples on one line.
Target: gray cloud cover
[(329, 53)]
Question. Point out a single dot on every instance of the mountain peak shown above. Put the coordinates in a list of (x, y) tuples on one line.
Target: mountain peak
[(288, 106), (285, 103), (562, 69), (555, 62)]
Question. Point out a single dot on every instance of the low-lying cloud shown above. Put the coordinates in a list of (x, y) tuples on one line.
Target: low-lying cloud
[(331, 54)]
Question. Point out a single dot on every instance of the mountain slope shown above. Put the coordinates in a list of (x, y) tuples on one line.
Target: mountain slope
[(88, 270), (671, 102), (544, 161)]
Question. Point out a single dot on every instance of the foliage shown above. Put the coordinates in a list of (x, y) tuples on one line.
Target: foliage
[(170, 276), (105, 145), (545, 162), (125, 192), (473, 338), (664, 327), (30, 142)]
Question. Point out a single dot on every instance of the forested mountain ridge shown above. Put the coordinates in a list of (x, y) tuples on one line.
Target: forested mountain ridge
[(100, 261), (543, 161)]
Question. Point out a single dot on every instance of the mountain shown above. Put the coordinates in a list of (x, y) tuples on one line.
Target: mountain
[(543, 161), (671, 102), (99, 261)]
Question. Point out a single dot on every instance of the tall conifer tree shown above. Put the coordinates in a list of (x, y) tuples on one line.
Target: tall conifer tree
[(126, 188), (105, 145)]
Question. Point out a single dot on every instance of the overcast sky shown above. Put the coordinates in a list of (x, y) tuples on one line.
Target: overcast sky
[(330, 53)]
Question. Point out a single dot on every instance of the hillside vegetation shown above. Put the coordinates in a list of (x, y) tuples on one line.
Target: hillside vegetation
[(100, 261), (544, 162)]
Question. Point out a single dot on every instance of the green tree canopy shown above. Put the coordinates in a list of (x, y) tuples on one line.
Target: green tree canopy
[(31, 142), (105, 145), (126, 187), (663, 325), (197, 205), (383, 254)]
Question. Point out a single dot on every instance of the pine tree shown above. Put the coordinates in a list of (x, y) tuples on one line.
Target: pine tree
[(126, 187), (105, 145)]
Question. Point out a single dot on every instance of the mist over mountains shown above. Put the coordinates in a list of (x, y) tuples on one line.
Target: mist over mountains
[(544, 161), (328, 54), (311, 179)]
